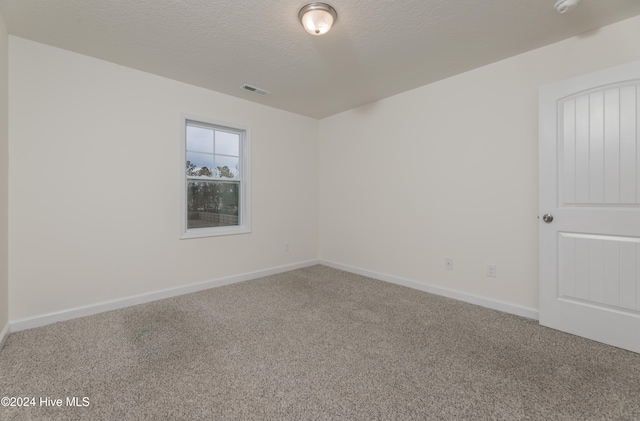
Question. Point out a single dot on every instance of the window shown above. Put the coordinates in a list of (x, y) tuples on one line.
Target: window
[(215, 179)]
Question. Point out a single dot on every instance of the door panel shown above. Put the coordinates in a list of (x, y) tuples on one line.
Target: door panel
[(599, 147), (590, 183), (599, 269)]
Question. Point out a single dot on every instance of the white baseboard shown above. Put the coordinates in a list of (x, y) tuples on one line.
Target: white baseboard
[(458, 295), (45, 319), (4, 334), (74, 313)]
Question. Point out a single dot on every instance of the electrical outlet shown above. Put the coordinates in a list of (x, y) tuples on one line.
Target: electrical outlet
[(286, 247), (448, 263), (492, 271)]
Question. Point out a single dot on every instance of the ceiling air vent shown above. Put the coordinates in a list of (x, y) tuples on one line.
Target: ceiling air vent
[(255, 90)]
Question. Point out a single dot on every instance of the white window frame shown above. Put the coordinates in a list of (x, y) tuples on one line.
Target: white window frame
[(244, 208)]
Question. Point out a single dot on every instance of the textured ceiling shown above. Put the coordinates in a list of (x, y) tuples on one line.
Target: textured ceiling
[(376, 49)]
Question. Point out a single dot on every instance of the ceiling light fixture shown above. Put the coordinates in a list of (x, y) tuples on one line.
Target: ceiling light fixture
[(317, 18), (563, 6)]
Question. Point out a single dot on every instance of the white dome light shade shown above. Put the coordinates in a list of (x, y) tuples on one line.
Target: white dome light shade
[(317, 18), (563, 6)]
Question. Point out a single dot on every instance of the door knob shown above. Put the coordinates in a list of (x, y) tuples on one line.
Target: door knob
[(547, 218)]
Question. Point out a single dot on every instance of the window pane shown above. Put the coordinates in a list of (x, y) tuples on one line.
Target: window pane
[(232, 165), (199, 164), (212, 203), (227, 143), (199, 139)]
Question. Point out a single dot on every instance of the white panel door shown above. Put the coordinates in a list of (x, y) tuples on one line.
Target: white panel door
[(590, 185)]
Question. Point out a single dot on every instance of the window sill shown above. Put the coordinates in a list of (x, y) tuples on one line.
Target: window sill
[(214, 232)]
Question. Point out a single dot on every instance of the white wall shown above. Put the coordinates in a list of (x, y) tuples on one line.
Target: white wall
[(4, 174), (94, 183), (445, 170), (451, 170)]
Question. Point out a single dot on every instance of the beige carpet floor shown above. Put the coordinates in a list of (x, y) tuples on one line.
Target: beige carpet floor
[(315, 344)]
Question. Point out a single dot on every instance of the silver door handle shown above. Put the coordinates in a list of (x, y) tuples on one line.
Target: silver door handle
[(547, 218)]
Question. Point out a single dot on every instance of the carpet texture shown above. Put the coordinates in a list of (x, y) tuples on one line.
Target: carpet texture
[(315, 344)]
